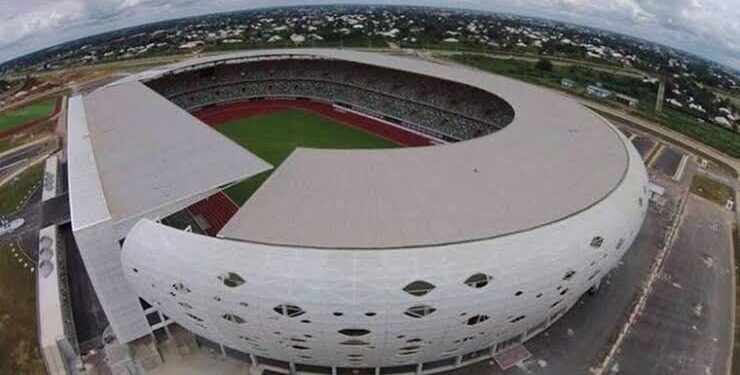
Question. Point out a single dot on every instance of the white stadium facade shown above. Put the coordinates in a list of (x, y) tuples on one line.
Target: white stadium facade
[(408, 260)]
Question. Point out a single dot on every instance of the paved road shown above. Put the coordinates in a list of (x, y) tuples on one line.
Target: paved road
[(627, 133), (723, 178), (666, 133), (580, 339), (21, 154), (668, 161), (28, 234), (643, 145), (684, 328), (14, 159)]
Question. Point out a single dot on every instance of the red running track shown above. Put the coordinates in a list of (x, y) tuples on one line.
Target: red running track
[(219, 114), (28, 125), (218, 209)]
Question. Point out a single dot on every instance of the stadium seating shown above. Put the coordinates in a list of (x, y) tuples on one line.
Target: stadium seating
[(443, 109), (217, 209)]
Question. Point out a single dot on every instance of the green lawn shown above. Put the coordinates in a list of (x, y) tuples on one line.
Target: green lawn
[(720, 138), (18, 341), (5, 144), (275, 135), (18, 348), (710, 189), (735, 368), (582, 74), (16, 191), (28, 135), (31, 112)]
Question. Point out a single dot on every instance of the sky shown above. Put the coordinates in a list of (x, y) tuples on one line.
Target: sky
[(709, 28)]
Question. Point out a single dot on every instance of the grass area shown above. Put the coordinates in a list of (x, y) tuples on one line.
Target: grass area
[(715, 136), (712, 190), (35, 132), (735, 366), (31, 112), (18, 343), (734, 97), (721, 139), (582, 74), (16, 191), (5, 144), (275, 135)]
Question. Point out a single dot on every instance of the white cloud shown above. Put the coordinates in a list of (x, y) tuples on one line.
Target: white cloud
[(39, 20), (706, 27)]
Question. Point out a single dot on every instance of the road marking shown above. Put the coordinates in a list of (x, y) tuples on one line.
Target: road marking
[(681, 167), (655, 271)]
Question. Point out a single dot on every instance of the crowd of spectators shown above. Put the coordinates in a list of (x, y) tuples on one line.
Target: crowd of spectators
[(444, 109)]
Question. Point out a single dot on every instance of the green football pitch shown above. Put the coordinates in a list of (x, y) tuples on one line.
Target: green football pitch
[(22, 115), (273, 136)]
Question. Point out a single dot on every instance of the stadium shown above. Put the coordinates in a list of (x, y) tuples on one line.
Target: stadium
[(335, 211)]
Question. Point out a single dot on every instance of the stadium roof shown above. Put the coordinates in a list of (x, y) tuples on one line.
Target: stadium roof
[(134, 154), (555, 159)]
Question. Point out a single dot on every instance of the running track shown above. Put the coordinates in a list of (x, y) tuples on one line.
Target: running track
[(218, 209), (220, 114), (30, 124)]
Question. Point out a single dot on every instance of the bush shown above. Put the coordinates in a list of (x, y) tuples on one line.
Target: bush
[(544, 64)]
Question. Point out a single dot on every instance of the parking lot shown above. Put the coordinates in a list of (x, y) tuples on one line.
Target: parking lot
[(684, 327), (644, 145), (668, 161)]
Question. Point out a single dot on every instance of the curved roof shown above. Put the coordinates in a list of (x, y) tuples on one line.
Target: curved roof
[(554, 160)]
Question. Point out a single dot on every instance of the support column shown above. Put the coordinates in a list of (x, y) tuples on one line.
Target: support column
[(458, 361), (418, 368), (333, 371), (377, 371), (253, 359), (292, 368), (167, 330), (223, 351), (164, 325)]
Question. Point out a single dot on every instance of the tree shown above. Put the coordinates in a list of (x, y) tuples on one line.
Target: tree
[(544, 65)]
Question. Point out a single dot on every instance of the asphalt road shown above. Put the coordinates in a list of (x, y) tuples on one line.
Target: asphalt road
[(667, 161), (643, 144), (627, 133), (685, 327), (28, 234), (580, 339), (14, 158), (578, 342)]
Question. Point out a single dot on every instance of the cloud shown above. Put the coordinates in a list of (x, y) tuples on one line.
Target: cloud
[(30, 25), (39, 20), (706, 27)]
